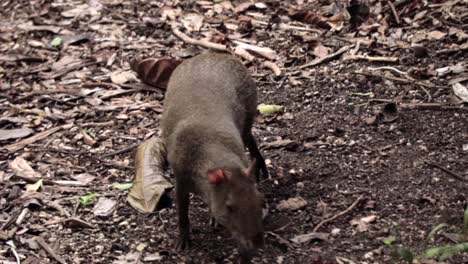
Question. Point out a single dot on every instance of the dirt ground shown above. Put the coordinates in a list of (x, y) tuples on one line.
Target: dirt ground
[(378, 144)]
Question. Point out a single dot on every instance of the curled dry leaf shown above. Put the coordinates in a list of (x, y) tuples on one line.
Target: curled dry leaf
[(192, 21), (121, 77), (362, 224), (310, 17), (461, 91), (22, 168), (155, 72), (292, 204), (104, 207), (149, 184)]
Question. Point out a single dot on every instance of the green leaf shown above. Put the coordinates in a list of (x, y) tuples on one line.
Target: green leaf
[(445, 252), (56, 42), (402, 253), (34, 187), (269, 109), (85, 200), (122, 186), (389, 240)]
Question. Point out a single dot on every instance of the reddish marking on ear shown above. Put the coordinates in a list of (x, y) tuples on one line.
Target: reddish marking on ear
[(216, 176)]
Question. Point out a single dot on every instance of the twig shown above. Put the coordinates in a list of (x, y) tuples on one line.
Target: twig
[(209, 45), (371, 58), (273, 67), (393, 78), (339, 214), (326, 58), (395, 14), (25, 142), (120, 151), (49, 250), (388, 68), (449, 172), (445, 51)]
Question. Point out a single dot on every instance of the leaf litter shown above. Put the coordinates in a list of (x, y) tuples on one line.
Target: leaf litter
[(73, 113)]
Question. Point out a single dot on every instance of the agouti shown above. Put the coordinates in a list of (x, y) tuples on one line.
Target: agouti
[(209, 109)]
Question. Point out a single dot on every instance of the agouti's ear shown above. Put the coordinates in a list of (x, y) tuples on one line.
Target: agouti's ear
[(250, 171), (216, 176)]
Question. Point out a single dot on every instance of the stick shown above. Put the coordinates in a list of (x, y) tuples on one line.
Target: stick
[(395, 14), (25, 142), (449, 172), (393, 78), (49, 250), (272, 66), (327, 58), (370, 58), (210, 45), (120, 151), (339, 214)]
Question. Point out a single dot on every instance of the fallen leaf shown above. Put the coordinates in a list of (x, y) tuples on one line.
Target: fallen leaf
[(34, 187), (121, 77), (75, 222), (292, 204), (56, 42), (269, 109), (461, 91), (310, 17), (122, 186), (321, 51), (192, 21), (22, 168), (310, 236), (15, 133), (280, 143), (84, 178), (155, 72), (104, 207), (149, 184), (436, 35), (362, 224)]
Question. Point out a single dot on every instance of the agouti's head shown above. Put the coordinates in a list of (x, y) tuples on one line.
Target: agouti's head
[(237, 204)]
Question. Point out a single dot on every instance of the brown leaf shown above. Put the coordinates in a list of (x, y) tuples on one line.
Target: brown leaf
[(149, 184), (321, 51), (14, 133), (310, 236), (22, 168), (310, 17), (292, 204), (155, 72)]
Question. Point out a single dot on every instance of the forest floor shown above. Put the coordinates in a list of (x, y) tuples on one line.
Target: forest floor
[(373, 135)]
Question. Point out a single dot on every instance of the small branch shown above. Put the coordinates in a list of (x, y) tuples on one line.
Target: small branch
[(339, 214), (49, 250), (388, 68), (393, 78), (370, 58), (273, 67), (120, 151), (449, 172), (326, 58), (394, 12), (211, 45)]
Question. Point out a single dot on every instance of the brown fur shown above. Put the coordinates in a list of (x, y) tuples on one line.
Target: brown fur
[(210, 106)]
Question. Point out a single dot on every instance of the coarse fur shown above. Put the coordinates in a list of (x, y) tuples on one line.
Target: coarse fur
[(210, 106)]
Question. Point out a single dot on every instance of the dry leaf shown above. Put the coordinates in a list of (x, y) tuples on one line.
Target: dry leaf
[(155, 72), (362, 224), (310, 236), (321, 51), (149, 184), (15, 133), (192, 21), (461, 91), (292, 204), (104, 207), (310, 17), (121, 77), (22, 168)]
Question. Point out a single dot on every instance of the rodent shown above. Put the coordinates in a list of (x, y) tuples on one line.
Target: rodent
[(209, 109)]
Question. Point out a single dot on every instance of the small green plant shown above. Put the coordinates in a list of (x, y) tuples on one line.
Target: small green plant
[(85, 200), (122, 186), (398, 253)]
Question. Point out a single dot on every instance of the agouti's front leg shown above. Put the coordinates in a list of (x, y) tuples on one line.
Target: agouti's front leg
[(183, 201)]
